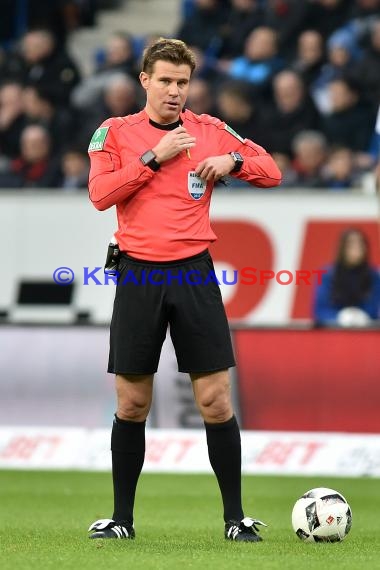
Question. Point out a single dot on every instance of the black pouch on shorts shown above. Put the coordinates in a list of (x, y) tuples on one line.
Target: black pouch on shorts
[(111, 266)]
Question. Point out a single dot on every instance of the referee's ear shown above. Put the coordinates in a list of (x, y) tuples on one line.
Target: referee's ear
[(144, 80)]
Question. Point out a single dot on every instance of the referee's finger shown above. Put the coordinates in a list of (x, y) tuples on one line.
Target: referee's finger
[(180, 129)]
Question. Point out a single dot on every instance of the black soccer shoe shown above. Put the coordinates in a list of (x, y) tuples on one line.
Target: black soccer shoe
[(107, 528), (243, 531)]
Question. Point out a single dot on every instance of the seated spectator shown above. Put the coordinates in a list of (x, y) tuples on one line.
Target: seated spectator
[(310, 153), (288, 18), (310, 56), (207, 67), (40, 108), (289, 175), (119, 98), (118, 58), (326, 16), (12, 120), (75, 168), (202, 30), (235, 107), (366, 72), (118, 54), (351, 121), (200, 98), (349, 293), (365, 8), (342, 53), (244, 16), (43, 63), (340, 172), (293, 111), (36, 167), (59, 16), (260, 61)]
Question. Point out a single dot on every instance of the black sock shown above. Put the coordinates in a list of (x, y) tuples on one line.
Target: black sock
[(224, 451), (128, 451)]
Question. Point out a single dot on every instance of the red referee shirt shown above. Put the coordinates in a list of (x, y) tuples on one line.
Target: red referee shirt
[(164, 215)]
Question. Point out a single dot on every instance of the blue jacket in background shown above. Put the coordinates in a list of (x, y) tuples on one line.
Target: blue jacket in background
[(325, 311)]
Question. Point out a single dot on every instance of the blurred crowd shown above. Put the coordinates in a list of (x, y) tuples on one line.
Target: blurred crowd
[(299, 77)]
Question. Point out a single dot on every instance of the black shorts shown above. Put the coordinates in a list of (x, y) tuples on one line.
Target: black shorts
[(183, 295)]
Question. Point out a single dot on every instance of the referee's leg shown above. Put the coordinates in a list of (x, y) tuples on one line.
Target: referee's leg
[(212, 393), (134, 397)]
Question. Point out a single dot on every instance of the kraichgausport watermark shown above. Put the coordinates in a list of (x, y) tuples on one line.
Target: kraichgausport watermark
[(246, 276)]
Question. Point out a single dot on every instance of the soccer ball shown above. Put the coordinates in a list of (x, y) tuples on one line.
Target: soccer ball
[(321, 515)]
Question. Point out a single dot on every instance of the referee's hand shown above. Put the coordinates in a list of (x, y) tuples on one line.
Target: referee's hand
[(174, 142), (215, 167)]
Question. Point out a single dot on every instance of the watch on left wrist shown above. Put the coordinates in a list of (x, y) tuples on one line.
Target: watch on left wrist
[(238, 160)]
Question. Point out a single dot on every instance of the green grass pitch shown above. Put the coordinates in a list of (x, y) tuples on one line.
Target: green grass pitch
[(45, 516)]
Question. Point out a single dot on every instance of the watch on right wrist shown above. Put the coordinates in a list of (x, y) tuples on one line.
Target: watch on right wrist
[(149, 159)]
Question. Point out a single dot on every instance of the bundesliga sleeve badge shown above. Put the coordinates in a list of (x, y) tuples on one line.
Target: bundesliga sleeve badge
[(234, 133), (98, 139)]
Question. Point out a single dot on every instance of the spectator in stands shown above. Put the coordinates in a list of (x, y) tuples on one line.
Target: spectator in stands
[(42, 63), (244, 16), (310, 153), (351, 121), (365, 8), (119, 98), (288, 18), (118, 54), (40, 108), (12, 119), (207, 67), (326, 16), (260, 62), (236, 108), (366, 72), (59, 16), (118, 58), (310, 56), (75, 168), (200, 98), (293, 111), (349, 293), (339, 172), (289, 175), (342, 53), (203, 29), (36, 167)]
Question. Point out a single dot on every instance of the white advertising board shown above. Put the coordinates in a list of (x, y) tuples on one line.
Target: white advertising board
[(185, 451)]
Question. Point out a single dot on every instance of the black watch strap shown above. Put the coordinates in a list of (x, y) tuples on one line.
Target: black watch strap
[(149, 159)]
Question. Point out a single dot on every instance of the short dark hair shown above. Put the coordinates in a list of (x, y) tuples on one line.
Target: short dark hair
[(172, 50)]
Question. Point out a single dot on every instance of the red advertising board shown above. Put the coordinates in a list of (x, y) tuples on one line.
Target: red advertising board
[(309, 380)]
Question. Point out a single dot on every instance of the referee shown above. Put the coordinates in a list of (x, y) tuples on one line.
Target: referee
[(159, 167)]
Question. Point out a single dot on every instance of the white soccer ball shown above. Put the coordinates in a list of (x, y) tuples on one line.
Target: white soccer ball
[(321, 515)]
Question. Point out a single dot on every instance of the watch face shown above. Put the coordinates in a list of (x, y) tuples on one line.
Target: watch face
[(147, 157), (238, 161)]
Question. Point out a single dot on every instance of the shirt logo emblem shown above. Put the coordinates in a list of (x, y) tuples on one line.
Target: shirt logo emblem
[(98, 139), (196, 186)]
